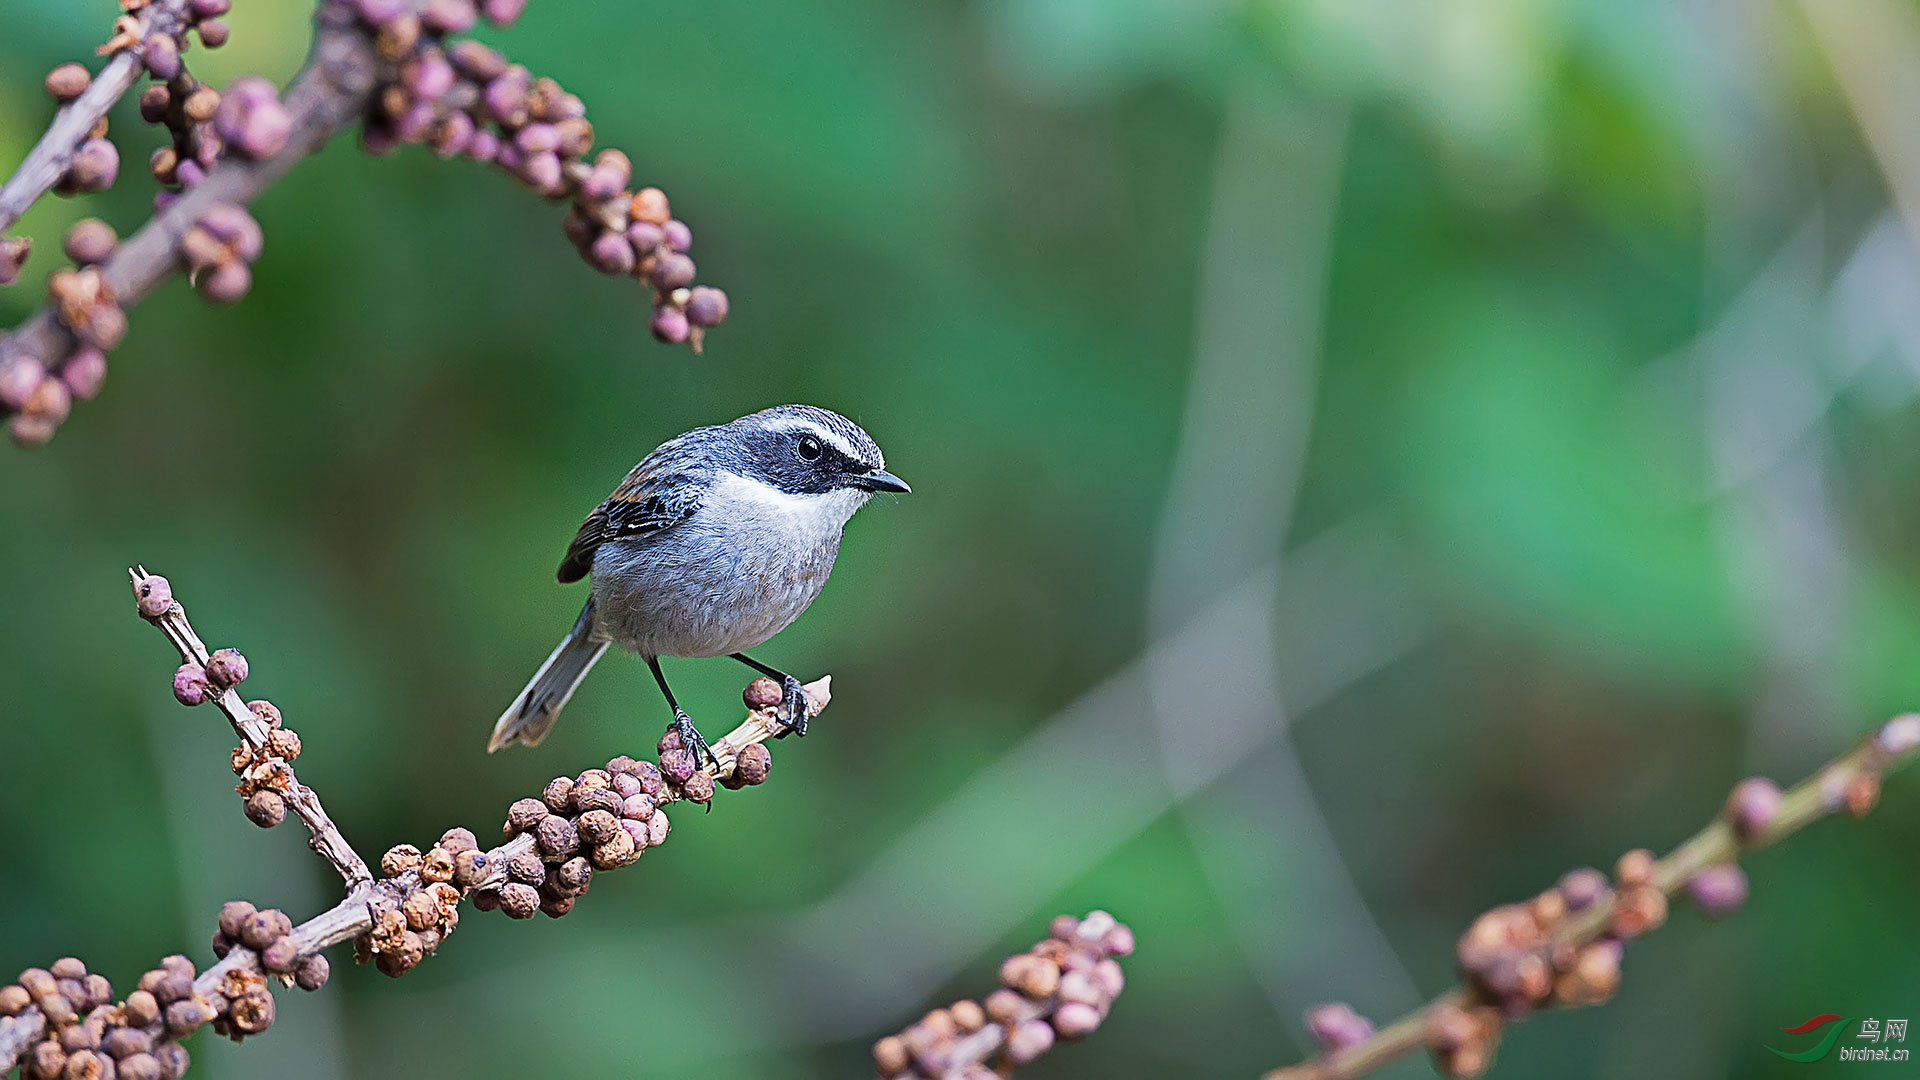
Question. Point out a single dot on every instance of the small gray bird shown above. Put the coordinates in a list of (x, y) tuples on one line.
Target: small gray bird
[(714, 543)]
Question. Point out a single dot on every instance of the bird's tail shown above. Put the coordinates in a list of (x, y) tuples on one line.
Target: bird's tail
[(532, 714)]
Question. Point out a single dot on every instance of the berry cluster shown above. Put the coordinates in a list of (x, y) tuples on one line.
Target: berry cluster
[(465, 99), (88, 1035), (1062, 988), (430, 885), (1564, 946)]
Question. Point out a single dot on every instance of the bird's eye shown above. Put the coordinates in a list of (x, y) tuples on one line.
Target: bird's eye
[(809, 448)]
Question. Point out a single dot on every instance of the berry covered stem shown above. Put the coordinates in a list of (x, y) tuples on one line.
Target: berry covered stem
[(1563, 947)]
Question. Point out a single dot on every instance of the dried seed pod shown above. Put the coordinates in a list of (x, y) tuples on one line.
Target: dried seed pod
[(519, 901), (122, 1042), (436, 865), (698, 788), (190, 686), (226, 669), (556, 838), (262, 929), (597, 826), (525, 814), (459, 839), (188, 1015), (604, 799), (68, 81), (469, 867), (266, 808), (616, 851), (753, 764), (142, 1008), (282, 957), (526, 868), (252, 1012), (420, 911), (677, 764), (399, 859), (312, 973)]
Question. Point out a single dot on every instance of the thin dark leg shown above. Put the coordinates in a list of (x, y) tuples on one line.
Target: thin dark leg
[(682, 723), (793, 700)]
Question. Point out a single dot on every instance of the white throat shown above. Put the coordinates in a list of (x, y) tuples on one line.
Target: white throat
[(743, 499)]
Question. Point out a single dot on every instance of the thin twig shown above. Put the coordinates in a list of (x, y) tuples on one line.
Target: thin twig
[(1848, 783), (326, 838)]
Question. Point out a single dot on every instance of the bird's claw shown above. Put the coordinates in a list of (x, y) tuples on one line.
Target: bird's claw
[(691, 740), (793, 705)]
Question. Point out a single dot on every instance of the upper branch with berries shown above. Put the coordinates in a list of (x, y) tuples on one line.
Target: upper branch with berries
[(62, 1021), (1563, 947), (401, 69)]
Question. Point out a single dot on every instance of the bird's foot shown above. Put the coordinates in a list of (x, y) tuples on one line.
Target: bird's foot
[(690, 739), (793, 706)]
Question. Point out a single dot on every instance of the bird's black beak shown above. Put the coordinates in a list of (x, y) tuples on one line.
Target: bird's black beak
[(881, 480)]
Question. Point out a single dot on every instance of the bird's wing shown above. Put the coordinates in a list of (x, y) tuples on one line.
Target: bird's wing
[(655, 496)]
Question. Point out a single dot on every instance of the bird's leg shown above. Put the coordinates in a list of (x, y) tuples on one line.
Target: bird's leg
[(682, 723), (793, 699)]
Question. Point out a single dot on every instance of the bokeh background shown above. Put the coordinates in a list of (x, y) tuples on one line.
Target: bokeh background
[(1369, 457)]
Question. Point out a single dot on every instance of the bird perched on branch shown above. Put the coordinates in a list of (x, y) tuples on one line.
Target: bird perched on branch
[(714, 543)]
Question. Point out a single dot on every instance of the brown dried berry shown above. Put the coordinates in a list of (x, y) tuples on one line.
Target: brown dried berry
[(142, 1008), (266, 808), (121, 1042), (890, 1056), (753, 765), (525, 814), (313, 973), (436, 865), (68, 967), (252, 1012), (186, 1016), (266, 712), (226, 668), (616, 851), (599, 798), (591, 779), (139, 1067), (698, 788), (558, 794), (526, 868), (762, 693), (420, 911), (637, 807), (597, 826), (282, 957), (84, 1065), (262, 929), (459, 839), (66, 82), (399, 859), (657, 828), (283, 743), (469, 867), (556, 838), (519, 901), (677, 764)]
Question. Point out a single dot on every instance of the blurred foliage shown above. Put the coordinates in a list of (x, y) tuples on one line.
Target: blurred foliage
[(1604, 350)]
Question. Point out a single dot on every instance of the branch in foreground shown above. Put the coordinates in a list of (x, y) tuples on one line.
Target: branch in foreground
[(1062, 987), (157, 27), (63, 1021), (397, 65), (1563, 948)]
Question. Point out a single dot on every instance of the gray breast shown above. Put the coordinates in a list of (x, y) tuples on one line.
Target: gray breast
[(735, 574)]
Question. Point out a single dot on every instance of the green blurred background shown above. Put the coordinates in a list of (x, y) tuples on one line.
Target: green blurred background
[(1369, 457)]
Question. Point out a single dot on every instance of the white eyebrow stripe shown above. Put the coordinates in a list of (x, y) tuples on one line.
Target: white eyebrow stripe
[(816, 428)]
